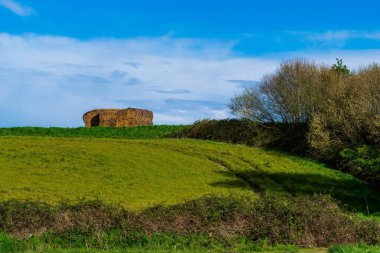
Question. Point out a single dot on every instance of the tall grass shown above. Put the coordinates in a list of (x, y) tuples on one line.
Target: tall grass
[(158, 131)]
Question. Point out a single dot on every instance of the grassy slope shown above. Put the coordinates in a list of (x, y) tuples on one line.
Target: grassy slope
[(135, 173), (140, 173)]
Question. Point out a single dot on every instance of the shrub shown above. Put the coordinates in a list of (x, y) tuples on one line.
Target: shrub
[(283, 219), (349, 112), (228, 130), (289, 95), (288, 137), (362, 161)]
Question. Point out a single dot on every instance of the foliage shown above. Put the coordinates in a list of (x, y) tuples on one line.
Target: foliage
[(340, 68), (157, 131), (340, 109), (289, 95), (212, 222), (154, 243), (228, 130), (349, 114), (360, 248), (285, 137), (362, 161)]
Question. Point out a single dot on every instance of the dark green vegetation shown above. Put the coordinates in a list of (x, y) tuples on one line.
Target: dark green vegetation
[(210, 223), (96, 132), (339, 110), (361, 248), (282, 137)]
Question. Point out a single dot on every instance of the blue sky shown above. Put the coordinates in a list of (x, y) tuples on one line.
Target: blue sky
[(182, 59)]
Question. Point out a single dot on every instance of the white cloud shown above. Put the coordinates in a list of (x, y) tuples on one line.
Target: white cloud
[(341, 36), (52, 81), (17, 8)]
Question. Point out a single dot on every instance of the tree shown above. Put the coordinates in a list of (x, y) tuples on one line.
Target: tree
[(289, 95), (349, 113), (340, 68), (341, 108)]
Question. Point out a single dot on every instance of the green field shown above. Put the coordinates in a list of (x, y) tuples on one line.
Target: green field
[(139, 173), (158, 131)]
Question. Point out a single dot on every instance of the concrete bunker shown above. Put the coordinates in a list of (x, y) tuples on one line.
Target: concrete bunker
[(118, 117)]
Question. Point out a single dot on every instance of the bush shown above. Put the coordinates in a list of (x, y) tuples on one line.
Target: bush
[(348, 114), (228, 130), (288, 137), (289, 95), (362, 161), (302, 220)]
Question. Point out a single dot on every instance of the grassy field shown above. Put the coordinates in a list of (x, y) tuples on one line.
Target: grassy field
[(135, 173), (158, 131), (141, 173)]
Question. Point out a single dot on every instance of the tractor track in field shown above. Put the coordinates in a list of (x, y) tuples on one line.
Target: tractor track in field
[(276, 181), (245, 175)]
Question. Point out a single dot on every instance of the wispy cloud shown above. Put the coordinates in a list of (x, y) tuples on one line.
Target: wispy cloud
[(342, 36), (132, 64), (17, 8), (173, 91), (244, 83)]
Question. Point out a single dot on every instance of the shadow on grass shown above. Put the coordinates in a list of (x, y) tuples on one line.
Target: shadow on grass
[(350, 192)]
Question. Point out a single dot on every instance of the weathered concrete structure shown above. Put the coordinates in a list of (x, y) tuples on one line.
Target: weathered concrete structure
[(118, 117)]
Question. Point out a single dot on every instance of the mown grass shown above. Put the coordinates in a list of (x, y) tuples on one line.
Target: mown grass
[(157, 131), (135, 173), (142, 173)]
